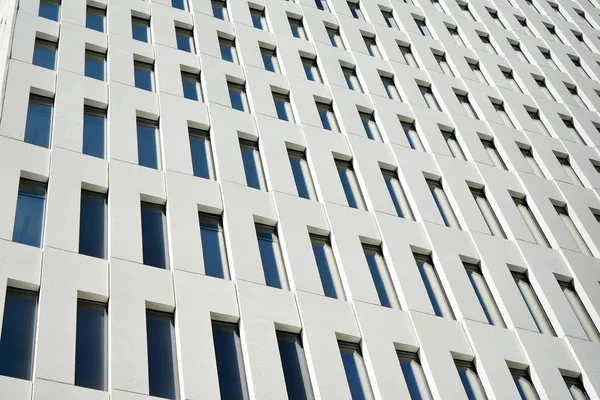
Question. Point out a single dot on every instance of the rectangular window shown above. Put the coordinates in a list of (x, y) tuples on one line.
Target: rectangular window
[(580, 311), (191, 86), (381, 276), (327, 116), (214, 252), (372, 48), (335, 38), (154, 235), (17, 341), (94, 18), (548, 56), (144, 76), (297, 28), (140, 29), (531, 222), (44, 54), (412, 136), (201, 152), (488, 213), (350, 184), (93, 224), (351, 79), (523, 23), (511, 81), (466, 104), (552, 31), (541, 82), (576, 97), (148, 143), (270, 61), (302, 176), (237, 96), (371, 129), (311, 69), (356, 11), (356, 372), (478, 73), (470, 380), (327, 267), (429, 98), (484, 295), (422, 27), (573, 130), (487, 44), (94, 132), (466, 12), (496, 18), (575, 234), (503, 114), (91, 345), (528, 155), (255, 177), (397, 194), (259, 21), (537, 120), (443, 64), (453, 145), (49, 9), (228, 50), (576, 388), (283, 107), (29, 215), (38, 127), (408, 56), (295, 369), (533, 303), (442, 203), (493, 153), (95, 65), (433, 286), (271, 257), (390, 88), (388, 16), (185, 40), (564, 162), (163, 380), (456, 36), (179, 4), (414, 377), (230, 364), (519, 52), (219, 9)]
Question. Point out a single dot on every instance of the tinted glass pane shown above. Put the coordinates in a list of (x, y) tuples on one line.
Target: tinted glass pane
[(343, 174), (190, 88), (139, 30), (147, 149), (411, 380), (95, 19), (257, 19), (227, 52), (200, 161), (162, 368), (268, 62), (184, 41), (219, 10), (44, 55), (324, 270), (231, 378), (93, 134), (39, 123), (143, 77), (324, 118), (378, 280), (49, 9), (18, 334), (178, 4), (289, 347), (353, 375), (29, 215), (92, 225), (154, 235), (299, 177), (94, 66), (211, 239), (91, 346), (235, 96), (281, 111), (250, 167), (270, 262)]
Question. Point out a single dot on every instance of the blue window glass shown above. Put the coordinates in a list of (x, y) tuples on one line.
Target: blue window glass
[(162, 355), (140, 29), (185, 40), (191, 86), (44, 54), (202, 162), (29, 216), (95, 65), (237, 96), (92, 224), (413, 375), (17, 340), (270, 60), (154, 235), (49, 9), (213, 246), (293, 363), (219, 9), (257, 18), (270, 255), (228, 52), (91, 348), (94, 131), (252, 164), (144, 76), (94, 19), (304, 183), (230, 367), (330, 280), (180, 4), (147, 140), (321, 5), (39, 121), (380, 275), (356, 374), (350, 184), (282, 106)]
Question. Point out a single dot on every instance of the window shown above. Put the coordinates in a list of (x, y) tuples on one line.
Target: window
[(293, 363), (93, 224), (496, 18), (351, 79), (437, 5), (191, 86), (576, 388), (532, 163), (443, 64), (535, 117), (350, 184), (422, 27), (372, 48), (95, 65), (228, 50), (252, 164), (533, 303), (466, 12), (414, 375), (335, 38), (453, 145), (530, 2), (502, 113), (583, 18), (478, 73), (230, 365), (548, 56), (487, 44), (390, 88), (38, 127), (302, 176), (442, 203), (493, 153), (355, 10), (573, 130), (429, 98), (219, 9), (356, 373), (271, 257), (144, 76), (408, 56), (456, 36), (185, 40), (580, 311), (283, 107), (259, 21), (564, 162), (297, 28), (397, 194), (17, 341), (327, 267), (433, 286), (200, 149), (580, 38), (484, 295), (466, 104), (269, 58), (49, 9), (541, 82), (322, 5), (311, 69), (575, 234), (94, 18), (488, 213), (91, 345), (140, 29), (214, 252), (154, 235), (94, 132), (29, 215), (163, 378), (237, 97), (381, 276), (148, 144), (412, 136), (388, 16), (552, 31), (523, 22), (531, 222), (511, 81), (371, 129), (470, 380), (517, 49), (327, 117), (44, 54), (576, 97)]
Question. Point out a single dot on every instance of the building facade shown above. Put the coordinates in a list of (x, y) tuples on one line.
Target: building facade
[(309, 199)]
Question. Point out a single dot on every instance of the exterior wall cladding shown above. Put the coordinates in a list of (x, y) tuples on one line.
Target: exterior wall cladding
[(275, 199)]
